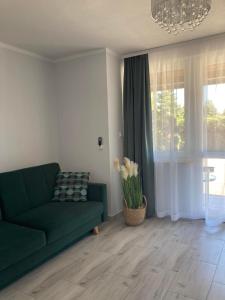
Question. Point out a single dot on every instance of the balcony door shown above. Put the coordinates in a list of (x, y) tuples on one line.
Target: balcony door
[(188, 107), (214, 157)]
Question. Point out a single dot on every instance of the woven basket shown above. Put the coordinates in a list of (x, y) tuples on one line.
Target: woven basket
[(134, 217)]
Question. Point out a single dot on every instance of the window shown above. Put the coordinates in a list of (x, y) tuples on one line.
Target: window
[(215, 117), (169, 111), (188, 104)]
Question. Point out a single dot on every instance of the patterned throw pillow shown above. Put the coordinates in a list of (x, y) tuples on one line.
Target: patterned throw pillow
[(71, 186)]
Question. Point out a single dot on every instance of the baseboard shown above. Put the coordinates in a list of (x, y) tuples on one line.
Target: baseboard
[(116, 214)]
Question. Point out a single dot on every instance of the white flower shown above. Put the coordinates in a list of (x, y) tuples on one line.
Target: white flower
[(135, 171), (127, 162), (117, 164), (131, 169), (124, 172)]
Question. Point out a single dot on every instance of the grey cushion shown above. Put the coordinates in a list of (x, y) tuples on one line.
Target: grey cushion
[(71, 186)]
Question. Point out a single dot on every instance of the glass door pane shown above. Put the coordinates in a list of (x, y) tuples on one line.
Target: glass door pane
[(214, 162), (215, 118), (214, 190)]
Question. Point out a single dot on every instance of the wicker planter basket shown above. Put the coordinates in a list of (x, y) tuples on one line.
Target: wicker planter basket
[(134, 217)]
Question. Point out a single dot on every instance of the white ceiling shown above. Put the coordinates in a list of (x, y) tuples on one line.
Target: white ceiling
[(58, 28)]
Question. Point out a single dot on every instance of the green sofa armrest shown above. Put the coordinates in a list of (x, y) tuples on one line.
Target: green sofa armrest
[(98, 192)]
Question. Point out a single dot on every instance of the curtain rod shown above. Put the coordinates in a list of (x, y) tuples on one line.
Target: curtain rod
[(145, 51)]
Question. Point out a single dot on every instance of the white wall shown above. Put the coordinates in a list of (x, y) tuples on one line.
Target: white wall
[(114, 91), (27, 111), (82, 106), (56, 112), (89, 100)]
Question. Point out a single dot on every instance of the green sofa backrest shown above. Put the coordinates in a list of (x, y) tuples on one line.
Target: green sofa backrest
[(24, 189)]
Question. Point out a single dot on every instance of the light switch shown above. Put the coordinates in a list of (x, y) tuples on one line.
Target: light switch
[(100, 143)]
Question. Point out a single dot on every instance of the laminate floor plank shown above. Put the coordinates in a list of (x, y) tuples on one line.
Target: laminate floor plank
[(194, 279), (158, 260), (217, 292), (175, 296)]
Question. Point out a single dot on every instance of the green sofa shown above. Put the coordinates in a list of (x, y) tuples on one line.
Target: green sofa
[(34, 228)]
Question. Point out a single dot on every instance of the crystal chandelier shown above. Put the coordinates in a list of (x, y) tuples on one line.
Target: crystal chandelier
[(179, 15)]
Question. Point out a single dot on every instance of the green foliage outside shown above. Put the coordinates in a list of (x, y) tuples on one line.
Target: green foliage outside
[(215, 128), (166, 118), (171, 114)]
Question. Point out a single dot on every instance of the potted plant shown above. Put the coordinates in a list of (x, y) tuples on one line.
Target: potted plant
[(134, 201)]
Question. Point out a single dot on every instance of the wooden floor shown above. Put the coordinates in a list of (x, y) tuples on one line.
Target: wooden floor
[(157, 260)]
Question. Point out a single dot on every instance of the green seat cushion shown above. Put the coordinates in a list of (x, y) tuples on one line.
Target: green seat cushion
[(17, 242), (58, 219)]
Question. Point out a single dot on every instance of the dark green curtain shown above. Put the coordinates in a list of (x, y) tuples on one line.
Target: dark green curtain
[(138, 144)]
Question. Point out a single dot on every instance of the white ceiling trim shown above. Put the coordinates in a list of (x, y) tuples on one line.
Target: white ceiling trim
[(78, 55), (206, 38), (106, 50), (87, 53), (25, 52), (63, 59)]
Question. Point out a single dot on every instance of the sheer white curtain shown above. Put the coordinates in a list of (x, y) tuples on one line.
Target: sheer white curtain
[(180, 81)]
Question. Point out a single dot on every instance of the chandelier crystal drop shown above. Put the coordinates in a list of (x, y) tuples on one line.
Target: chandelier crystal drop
[(179, 15)]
